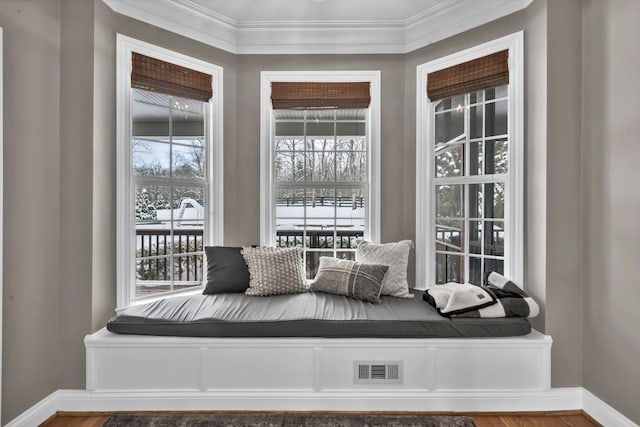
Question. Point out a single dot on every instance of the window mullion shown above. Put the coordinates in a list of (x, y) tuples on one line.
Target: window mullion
[(466, 157), (335, 179), (306, 189), (171, 195)]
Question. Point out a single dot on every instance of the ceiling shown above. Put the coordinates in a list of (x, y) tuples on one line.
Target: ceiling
[(308, 26), (245, 11)]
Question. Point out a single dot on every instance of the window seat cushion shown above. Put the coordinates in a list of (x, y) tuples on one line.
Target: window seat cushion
[(312, 314)]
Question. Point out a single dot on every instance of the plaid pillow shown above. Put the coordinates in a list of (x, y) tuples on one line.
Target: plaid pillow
[(350, 278)]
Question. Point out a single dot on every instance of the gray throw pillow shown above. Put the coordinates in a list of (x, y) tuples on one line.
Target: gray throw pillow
[(396, 256), (226, 270), (275, 271), (350, 278)]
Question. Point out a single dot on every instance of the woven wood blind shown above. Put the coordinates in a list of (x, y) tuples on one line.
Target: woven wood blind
[(319, 95), (478, 74), (159, 76)]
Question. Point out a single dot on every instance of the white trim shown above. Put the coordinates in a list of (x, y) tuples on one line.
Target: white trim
[(1, 202), (129, 362), (556, 399), (213, 235), (267, 213), (602, 412), (514, 219), (195, 21)]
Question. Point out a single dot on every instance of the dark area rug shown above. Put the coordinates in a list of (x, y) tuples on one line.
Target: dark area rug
[(284, 420)]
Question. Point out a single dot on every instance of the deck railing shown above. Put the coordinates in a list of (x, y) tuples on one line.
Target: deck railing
[(153, 269)]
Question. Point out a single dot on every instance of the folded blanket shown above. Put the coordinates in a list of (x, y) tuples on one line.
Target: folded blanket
[(506, 299), (453, 298)]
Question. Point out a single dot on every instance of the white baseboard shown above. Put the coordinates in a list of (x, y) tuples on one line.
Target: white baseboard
[(602, 412), (556, 399)]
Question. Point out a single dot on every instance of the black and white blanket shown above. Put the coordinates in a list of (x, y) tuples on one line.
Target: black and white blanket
[(499, 297)]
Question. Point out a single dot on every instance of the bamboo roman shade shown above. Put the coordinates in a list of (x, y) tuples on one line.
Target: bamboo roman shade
[(159, 76), (319, 95), (478, 74)]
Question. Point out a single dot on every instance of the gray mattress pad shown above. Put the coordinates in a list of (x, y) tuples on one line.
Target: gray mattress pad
[(312, 314)]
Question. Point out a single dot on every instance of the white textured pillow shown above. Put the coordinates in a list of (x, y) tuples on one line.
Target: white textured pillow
[(275, 271), (396, 256)]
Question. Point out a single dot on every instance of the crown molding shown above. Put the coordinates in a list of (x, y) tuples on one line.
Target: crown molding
[(194, 21)]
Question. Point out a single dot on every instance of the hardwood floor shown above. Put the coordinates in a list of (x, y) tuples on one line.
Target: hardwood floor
[(536, 419)]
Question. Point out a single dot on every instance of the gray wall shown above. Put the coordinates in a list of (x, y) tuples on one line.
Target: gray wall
[(610, 177), (59, 190), (32, 332)]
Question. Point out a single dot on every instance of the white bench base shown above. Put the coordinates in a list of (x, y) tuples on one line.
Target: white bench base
[(315, 367)]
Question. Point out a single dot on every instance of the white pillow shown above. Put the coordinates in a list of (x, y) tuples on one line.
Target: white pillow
[(275, 271), (396, 256)]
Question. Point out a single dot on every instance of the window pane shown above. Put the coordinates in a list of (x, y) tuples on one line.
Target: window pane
[(290, 203), (351, 166), (449, 268), (476, 158), (449, 201), (497, 157), (289, 128), (290, 144), (152, 204), (189, 160), (496, 93), (312, 260), (494, 197), (447, 104), (475, 270), (324, 166), (320, 203), (449, 125), (150, 158), (475, 237), (449, 161), (320, 128), (494, 238), (188, 270), (321, 144), (496, 265), (188, 205), (150, 113), (476, 97), (153, 276), (320, 236), (476, 197), (187, 238), (351, 144), (449, 236), (285, 165), (496, 118), (289, 232), (351, 128), (475, 116), (346, 236), (350, 203)]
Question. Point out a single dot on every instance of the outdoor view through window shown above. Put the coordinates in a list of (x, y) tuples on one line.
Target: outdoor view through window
[(470, 183), (320, 181), (169, 174)]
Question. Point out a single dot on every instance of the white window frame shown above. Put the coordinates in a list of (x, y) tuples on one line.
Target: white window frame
[(425, 132), (213, 232), (267, 138), (1, 200)]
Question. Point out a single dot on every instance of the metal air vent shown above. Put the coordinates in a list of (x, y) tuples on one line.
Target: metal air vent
[(377, 372)]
